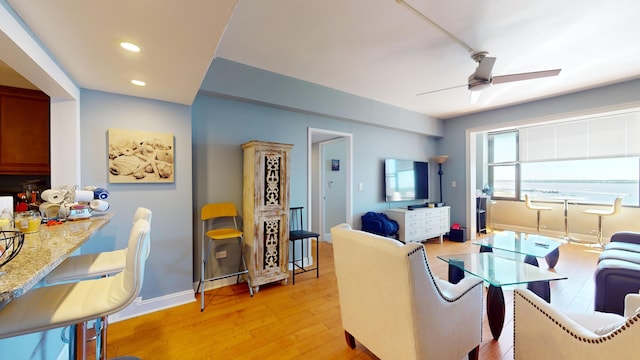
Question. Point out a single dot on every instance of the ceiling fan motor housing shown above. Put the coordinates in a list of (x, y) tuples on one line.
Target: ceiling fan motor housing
[(477, 84)]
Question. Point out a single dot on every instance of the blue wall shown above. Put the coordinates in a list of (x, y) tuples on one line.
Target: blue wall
[(221, 125), (169, 265)]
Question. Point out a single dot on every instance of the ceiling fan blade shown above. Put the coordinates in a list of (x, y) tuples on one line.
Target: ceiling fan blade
[(434, 91), (485, 66), (500, 79)]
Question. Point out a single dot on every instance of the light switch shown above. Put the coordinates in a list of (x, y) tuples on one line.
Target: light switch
[(360, 186), (453, 184)]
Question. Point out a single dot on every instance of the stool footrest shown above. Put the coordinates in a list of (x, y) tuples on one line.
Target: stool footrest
[(226, 276)]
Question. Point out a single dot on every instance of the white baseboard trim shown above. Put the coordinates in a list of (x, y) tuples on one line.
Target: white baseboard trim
[(141, 307)]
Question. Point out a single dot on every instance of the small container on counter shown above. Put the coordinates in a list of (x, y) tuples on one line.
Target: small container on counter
[(28, 221), (6, 220)]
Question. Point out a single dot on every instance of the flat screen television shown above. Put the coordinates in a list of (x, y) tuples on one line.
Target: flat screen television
[(406, 180)]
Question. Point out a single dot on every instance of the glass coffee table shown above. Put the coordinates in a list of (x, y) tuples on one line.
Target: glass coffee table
[(529, 245), (499, 272)]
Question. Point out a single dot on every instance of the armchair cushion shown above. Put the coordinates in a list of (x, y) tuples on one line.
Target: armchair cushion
[(598, 322), (623, 254), (626, 246)]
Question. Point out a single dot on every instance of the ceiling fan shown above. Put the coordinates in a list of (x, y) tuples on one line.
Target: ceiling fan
[(482, 77)]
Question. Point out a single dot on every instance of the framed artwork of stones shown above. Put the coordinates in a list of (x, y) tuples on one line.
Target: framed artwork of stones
[(140, 156)]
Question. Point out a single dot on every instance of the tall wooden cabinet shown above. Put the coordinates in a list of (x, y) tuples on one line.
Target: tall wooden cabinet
[(266, 211)]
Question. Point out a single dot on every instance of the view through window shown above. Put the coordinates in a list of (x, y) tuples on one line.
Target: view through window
[(591, 181), (588, 181)]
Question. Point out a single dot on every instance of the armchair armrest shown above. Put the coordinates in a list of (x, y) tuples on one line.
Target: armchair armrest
[(626, 236), (455, 291), (631, 304)]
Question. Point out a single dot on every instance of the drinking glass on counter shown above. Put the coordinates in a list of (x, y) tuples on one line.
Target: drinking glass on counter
[(28, 221)]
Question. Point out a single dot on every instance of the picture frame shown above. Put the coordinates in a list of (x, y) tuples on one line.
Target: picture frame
[(140, 156), (335, 165)]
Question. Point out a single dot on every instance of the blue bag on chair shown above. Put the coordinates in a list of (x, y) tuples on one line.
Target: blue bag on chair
[(379, 224)]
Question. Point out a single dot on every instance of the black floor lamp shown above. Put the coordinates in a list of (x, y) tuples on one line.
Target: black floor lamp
[(440, 160)]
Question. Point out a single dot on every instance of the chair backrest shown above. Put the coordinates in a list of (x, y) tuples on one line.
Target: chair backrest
[(527, 201), (295, 218), (216, 210), (617, 206), (138, 251), (142, 213), (389, 299)]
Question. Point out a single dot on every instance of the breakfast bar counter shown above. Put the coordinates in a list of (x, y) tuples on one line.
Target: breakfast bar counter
[(43, 251)]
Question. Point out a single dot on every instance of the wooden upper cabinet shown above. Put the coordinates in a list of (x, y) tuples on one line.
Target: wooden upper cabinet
[(24, 132)]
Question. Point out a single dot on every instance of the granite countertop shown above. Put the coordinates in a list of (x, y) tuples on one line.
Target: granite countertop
[(43, 251)]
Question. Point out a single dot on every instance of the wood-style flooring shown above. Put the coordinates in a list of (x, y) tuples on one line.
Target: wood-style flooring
[(302, 321)]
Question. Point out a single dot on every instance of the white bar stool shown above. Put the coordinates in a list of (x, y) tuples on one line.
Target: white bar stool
[(86, 266), (56, 306), (537, 208), (613, 210)]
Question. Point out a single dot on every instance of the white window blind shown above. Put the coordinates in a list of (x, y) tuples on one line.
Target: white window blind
[(599, 137)]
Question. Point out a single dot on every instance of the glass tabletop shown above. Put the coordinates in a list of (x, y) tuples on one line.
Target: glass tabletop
[(521, 243), (499, 271)]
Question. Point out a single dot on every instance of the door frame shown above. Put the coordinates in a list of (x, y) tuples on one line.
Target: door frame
[(315, 135)]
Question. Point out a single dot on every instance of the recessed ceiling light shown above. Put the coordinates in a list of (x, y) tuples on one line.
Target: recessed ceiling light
[(130, 46), (138, 82)]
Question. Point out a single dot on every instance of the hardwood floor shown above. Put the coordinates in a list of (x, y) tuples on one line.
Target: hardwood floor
[(303, 320)]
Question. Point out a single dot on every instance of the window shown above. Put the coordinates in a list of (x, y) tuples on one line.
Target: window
[(589, 181), (504, 173)]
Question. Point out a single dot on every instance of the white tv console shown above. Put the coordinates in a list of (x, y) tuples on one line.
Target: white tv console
[(421, 224)]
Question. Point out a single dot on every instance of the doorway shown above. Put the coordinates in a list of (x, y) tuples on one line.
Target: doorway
[(330, 182)]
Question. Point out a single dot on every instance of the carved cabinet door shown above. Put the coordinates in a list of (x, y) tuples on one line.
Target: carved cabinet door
[(266, 211)]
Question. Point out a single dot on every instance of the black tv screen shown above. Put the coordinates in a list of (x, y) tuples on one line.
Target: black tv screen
[(406, 180)]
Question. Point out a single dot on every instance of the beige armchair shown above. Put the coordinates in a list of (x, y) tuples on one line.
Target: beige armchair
[(394, 306), (543, 332)]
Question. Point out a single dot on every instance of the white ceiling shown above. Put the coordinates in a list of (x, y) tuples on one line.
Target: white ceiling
[(372, 48)]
